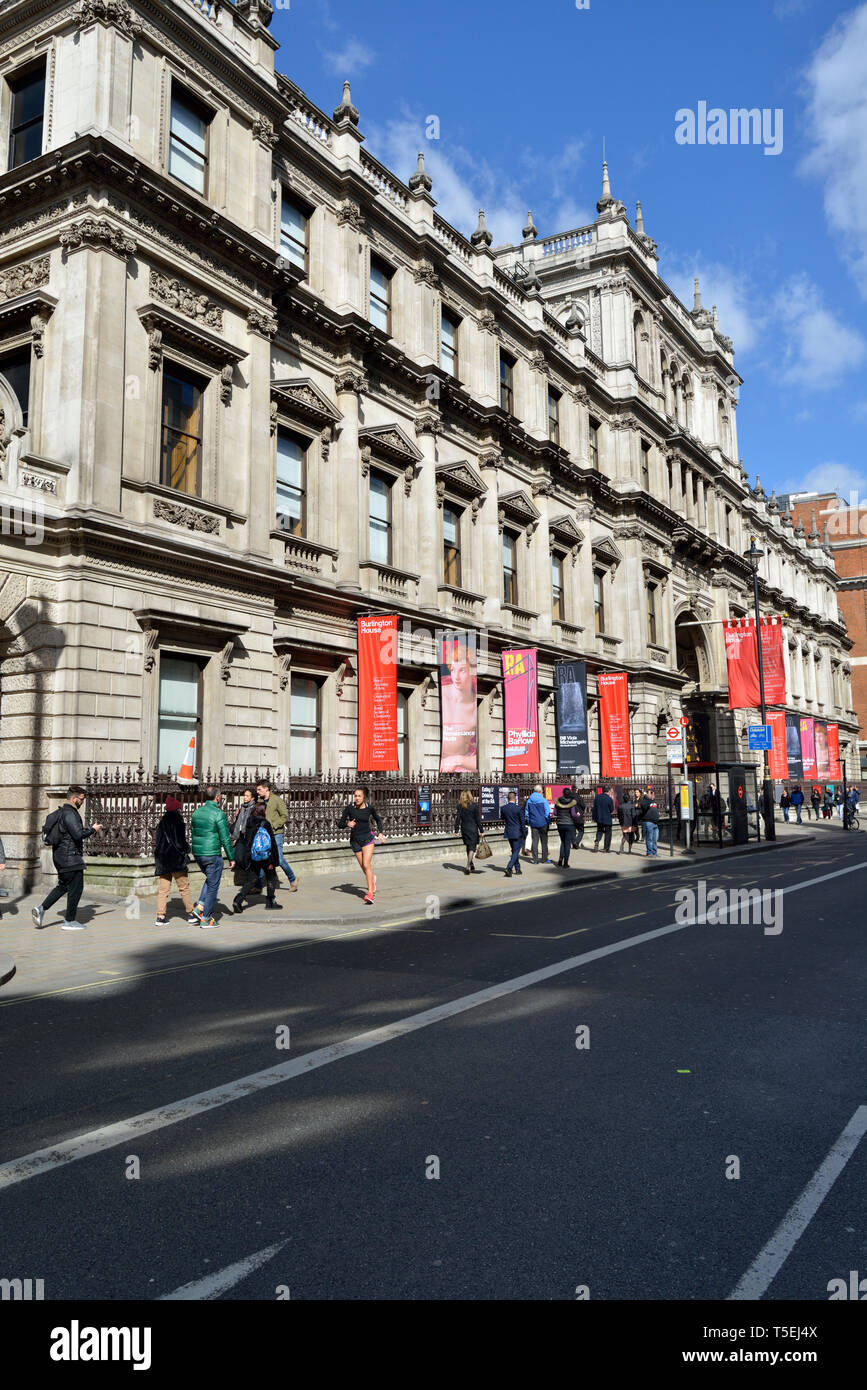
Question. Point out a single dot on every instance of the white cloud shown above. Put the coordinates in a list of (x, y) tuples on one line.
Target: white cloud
[(837, 113), (817, 347), (784, 9), (841, 478), (731, 292), (353, 57)]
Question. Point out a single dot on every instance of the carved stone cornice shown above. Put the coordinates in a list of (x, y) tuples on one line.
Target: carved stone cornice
[(183, 297), (488, 323), (429, 422), (187, 517), (28, 275), (391, 443), (350, 379), (491, 457), (263, 322), (96, 233), (264, 133), (349, 215), (424, 273), (302, 397)]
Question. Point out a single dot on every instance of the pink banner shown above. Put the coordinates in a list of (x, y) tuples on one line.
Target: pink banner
[(808, 746), (521, 711), (835, 771)]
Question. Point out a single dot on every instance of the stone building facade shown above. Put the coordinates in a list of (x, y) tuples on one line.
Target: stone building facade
[(253, 385)]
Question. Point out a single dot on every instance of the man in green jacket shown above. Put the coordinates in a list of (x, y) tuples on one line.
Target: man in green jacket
[(278, 817), (210, 836)]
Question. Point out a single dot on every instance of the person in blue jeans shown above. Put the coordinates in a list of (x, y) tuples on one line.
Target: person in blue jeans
[(278, 818), (798, 802), (210, 837), (514, 833), (650, 820)]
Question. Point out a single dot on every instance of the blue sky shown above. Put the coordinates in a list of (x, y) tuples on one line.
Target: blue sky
[(524, 96)]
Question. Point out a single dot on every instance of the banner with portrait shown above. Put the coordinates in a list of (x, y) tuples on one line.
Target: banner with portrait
[(823, 765), (835, 771), (570, 702), (520, 711), (459, 737), (793, 747)]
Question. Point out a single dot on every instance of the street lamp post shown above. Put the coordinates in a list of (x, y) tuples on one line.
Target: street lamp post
[(754, 555)]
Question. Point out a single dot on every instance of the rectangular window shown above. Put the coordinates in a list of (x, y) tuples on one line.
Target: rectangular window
[(449, 345), (402, 734), (451, 547), (557, 588), (553, 415), (651, 613), (27, 116), (380, 297), (380, 519), (599, 599), (188, 142), (291, 483), (645, 466), (593, 441), (510, 568), (304, 724), (16, 369), (180, 711), (507, 394), (293, 233), (181, 464), (683, 487)]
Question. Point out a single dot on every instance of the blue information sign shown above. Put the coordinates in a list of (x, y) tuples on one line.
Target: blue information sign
[(759, 736)]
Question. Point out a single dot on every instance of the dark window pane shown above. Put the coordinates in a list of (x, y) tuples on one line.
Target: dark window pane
[(16, 369)]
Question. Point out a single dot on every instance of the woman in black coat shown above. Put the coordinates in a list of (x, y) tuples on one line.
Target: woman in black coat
[(171, 852), (468, 823)]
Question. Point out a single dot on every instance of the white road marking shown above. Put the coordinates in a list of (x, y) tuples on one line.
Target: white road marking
[(223, 1279), (124, 1131), (769, 1261)]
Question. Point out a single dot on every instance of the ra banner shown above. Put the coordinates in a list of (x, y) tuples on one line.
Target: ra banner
[(778, 762), (835, 771), (808, 746), (521, 711), (823, 766), (377, 694), (614, 724), (570, 696), (743, 664), (793, 747), (459, 740)]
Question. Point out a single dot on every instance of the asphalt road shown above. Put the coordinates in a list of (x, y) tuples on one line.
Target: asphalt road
[(559, 1166)]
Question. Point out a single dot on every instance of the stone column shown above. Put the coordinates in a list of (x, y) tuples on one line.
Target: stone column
[(428, 512), (541, 540), (349, 383), (488, 528)]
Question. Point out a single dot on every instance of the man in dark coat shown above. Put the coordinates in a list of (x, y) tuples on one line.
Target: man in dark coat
[(259, 821), (603, 815), (514, 833), (66, 835)]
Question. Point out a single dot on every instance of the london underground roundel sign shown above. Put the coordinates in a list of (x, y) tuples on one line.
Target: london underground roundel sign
[(673, 734)]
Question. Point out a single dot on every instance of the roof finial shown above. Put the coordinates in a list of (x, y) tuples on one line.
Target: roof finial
[(606, 183), (531, 231), (421, 180), (639, 219), (481, 236), (696, 308), (346, 111)]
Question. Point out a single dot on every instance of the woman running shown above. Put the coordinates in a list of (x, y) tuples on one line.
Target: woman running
[(362, 841)]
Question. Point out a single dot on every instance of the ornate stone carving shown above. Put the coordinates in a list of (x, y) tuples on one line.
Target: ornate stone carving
[(187, 300), (263, 131), (155, 348), (365, 460), (491, 458), (262, 321), (185, 516), (115, 12), (429, 422), (409, 475), (226, 373), (29, 275), (423, 273), (285, 669), (273, 417), (150, 648), (226, 660), (96, 233), (349, 215), (487, 322), (5, 436), (350, 379), (39, 482), (38, 323), (325, 440)]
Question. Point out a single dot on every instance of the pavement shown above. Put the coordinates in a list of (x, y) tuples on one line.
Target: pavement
[(119, 931)]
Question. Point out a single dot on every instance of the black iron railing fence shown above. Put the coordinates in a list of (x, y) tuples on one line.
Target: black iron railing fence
[(129, 804)]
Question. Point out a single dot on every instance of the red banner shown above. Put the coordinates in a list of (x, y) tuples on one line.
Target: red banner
[(743, 664), (778, 760), (520, 711), (835, 772), (808, 746), (614, 724), (377, 695)]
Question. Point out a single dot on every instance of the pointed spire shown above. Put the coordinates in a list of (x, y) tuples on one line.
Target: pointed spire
[(421, 180), (814, 533), (758, 491), (346, 111), (826, 544), (714, 317), (481, 236), (606, 183), (531, 231), (608, 203), (696, 290), (639, 220), (773, 504), (575, 322)]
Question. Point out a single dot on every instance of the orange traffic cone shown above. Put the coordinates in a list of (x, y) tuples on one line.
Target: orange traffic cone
[(189, 763)]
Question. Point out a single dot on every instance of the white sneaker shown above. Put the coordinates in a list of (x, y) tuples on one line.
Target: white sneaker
[(72, 926), (37, 914)]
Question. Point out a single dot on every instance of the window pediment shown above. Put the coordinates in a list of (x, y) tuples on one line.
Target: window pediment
[(211, 349), (460, 478), (516, 506), (300, 396), (391, 443), (605, 553), (562, 529)]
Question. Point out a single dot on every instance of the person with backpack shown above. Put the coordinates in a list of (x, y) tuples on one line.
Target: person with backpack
[(65, 833), (569, 819), (798, 802), (264, 856), (210, 836), (627, 823), (171, 856), (537, 814), (277, 814)]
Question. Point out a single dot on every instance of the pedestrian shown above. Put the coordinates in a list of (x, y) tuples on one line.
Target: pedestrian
[(602, 813), (537, 814), (627, 823), (210, 836), (65, 832), (567, 809), (468, 823), (171, 856), (827, 803), (278, 816), (785, 805), (798, 801), (650, 819), (262, 856), (816, 800), (838, 802), (514, 833), (362, 841), (239, 825), (579, 816)]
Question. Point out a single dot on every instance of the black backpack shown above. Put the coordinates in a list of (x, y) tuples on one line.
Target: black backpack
[(52, 830)]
